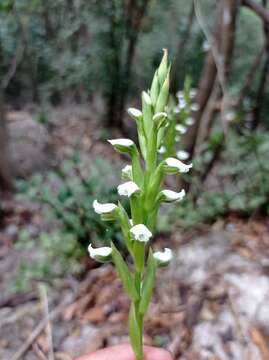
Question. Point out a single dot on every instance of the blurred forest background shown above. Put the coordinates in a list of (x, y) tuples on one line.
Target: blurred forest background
[(69, 69)]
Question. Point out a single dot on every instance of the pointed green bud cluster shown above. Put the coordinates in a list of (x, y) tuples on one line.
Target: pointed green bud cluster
[(147, 112), (159, 90)]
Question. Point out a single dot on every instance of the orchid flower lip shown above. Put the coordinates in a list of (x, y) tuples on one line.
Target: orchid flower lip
[(164, 257), (128, 188), (177, 164), (103, 208), (102, 252), (173, 196), (121, 142), (140, 233)]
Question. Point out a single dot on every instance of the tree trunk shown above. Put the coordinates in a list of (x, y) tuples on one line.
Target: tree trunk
[(180, 51), (6, 183), (262, 85)]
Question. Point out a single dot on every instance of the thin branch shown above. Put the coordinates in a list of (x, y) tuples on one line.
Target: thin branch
[(257, 8), (13, 67), (250, 77)]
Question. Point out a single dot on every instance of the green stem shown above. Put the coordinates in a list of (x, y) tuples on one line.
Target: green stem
[(139, 317)]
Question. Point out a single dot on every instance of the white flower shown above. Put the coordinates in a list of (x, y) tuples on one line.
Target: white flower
[(181, 129), (183, 155), (174, 165), (193, 93), (172, 196), (122, 145), (206, 46), (163, 258), (140, 233), (180, 95), (181, 103), (128, 189), (121, 142), (230, 116), (162, 150), (103, 208), (190, 121), (100, 254), (127, 172), (195, 107), (135, 113), (177, 138)]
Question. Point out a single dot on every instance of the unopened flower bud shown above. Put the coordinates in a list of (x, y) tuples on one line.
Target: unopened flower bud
[(163, 96), (135, 113), (160, 119), (163, 68)]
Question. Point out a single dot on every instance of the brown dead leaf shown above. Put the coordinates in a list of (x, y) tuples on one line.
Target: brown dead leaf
[(94, 315), (260, 342)]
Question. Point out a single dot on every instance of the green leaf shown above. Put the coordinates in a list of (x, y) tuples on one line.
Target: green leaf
[(134, 333), (124, 274), (125, 227), (148, 284)]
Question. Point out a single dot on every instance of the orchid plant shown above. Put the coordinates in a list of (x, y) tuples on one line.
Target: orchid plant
[(143, 186)]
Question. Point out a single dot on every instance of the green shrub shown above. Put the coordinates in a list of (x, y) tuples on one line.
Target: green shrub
[(242, 177)]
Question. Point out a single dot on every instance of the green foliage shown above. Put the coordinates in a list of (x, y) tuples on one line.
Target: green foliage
[(53, 255), (243, 182), (66, 198), (68, 194)]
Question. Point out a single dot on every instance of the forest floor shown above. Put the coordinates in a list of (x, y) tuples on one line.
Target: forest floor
[(211, 303)]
